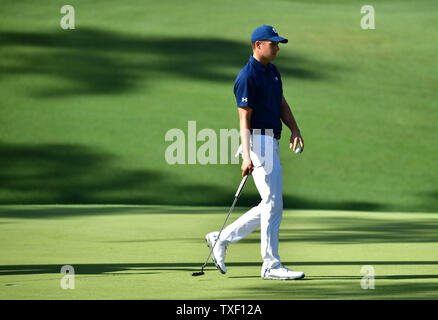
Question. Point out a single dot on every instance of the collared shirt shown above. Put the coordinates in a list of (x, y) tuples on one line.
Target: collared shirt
[(259, 87)]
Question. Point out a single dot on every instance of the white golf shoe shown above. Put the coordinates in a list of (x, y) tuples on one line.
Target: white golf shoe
[(218, 254), (281, 273)]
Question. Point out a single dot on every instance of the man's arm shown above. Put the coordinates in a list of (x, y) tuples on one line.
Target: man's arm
[(289, 120), (245, 124)]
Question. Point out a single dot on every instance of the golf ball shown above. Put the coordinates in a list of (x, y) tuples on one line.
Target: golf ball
[(298, 150)]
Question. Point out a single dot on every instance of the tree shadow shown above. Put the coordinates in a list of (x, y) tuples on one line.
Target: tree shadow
[(430, 197), (361, 230), (136, 268), (346, 290), (77, 174), (105, 62), (390, 277)]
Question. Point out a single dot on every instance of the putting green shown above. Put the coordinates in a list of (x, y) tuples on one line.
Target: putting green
[(149, 252)]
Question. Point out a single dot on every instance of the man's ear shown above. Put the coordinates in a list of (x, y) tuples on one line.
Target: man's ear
[(259, 43)]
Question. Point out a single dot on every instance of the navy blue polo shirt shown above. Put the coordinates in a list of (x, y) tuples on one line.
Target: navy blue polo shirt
[(259, 87)]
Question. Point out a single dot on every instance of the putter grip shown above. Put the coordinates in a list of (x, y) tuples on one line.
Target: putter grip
[(242, 184)]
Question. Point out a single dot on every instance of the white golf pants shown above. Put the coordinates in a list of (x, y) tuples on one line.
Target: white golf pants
[(267, 175)]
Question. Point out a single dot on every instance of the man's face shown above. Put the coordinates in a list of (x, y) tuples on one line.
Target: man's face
[(268, 49)]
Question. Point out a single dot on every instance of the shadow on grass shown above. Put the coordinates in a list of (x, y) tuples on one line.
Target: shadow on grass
[(95, 269), (105, 62), (390, 277), (359, 230), (338, 289), (76, 174), (316, 286)]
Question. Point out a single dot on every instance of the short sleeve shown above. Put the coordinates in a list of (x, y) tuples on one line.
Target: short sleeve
[(244, 91)]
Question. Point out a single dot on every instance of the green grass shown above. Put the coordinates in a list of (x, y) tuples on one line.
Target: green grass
[(84, 112), (149, 252)]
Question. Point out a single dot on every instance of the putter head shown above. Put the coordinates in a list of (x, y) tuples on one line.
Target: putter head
[(200, 273)]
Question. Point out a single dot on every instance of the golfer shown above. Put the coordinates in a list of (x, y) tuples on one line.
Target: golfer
[(262, 108)]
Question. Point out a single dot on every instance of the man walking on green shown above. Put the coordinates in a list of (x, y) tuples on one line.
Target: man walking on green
[(262, 108)]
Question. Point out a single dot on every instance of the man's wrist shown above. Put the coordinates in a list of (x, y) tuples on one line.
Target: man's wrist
[(294, 130)]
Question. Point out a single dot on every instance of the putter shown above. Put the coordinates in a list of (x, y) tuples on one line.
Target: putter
[(200, 273)]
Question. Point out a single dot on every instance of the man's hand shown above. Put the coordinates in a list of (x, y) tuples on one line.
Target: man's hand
[(296, 139), (247, 167)]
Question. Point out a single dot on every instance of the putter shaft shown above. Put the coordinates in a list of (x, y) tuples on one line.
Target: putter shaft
[(236, 196)]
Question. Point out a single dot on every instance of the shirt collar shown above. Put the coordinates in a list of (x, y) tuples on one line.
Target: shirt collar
[(258, 65)]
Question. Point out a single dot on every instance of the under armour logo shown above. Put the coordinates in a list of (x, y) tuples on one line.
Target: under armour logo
[(275, 31), (276, 78), (244, 99)]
